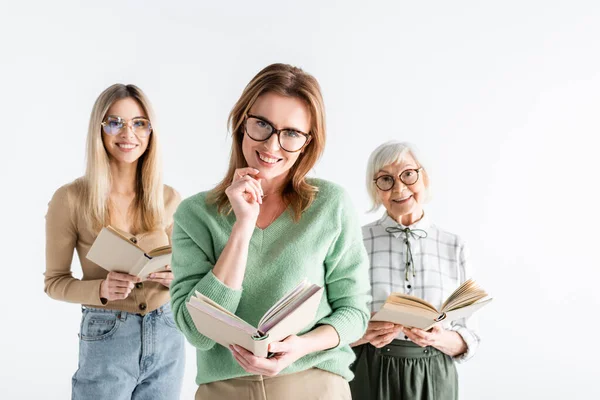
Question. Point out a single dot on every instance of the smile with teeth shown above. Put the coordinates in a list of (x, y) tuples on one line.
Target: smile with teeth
[(127, 146), (266, 159), (403, 199)]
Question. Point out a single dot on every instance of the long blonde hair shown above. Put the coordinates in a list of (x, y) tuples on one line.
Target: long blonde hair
[(148, 206), (289, 81)]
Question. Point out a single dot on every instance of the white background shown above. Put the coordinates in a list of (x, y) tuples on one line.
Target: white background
[(502, 98)]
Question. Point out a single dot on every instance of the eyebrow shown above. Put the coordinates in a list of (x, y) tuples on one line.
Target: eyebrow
[(267, 120), (403, 169), (118, 116)]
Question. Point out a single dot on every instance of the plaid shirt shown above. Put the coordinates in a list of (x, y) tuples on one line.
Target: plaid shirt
[(439, 262)]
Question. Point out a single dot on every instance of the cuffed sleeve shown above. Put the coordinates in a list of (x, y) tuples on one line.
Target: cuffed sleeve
[(192, 270), (346, 278)]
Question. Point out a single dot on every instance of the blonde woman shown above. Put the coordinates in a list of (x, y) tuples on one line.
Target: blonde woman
[(409, 254), (129, 346), (262, 230)]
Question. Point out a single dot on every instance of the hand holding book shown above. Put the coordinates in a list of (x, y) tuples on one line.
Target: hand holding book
[(411, 311), (117, 286), (288, 316), (447, 341), (281, 355), (114, 251)]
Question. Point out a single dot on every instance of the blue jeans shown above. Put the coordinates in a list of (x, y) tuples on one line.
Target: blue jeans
[(129, 356)]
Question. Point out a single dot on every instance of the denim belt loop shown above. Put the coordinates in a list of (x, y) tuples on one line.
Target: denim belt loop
[(122, 315)]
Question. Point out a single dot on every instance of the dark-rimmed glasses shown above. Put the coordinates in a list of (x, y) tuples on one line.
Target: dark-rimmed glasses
[(260, 130), (113, 125), (408, 177)]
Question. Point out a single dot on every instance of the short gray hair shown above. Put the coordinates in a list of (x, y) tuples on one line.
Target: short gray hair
[(386, 154)]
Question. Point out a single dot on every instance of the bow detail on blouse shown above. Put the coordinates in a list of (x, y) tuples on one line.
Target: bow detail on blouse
[(416, 234)]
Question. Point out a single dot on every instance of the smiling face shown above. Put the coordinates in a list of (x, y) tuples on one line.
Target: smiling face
[(283, 113), (403, 202), (125, 147)]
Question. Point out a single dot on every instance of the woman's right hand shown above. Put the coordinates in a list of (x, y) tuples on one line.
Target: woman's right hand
[(245, 195), (380, 333), (117, 286)]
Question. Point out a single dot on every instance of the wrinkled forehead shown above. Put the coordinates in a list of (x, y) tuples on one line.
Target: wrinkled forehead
[(396, 163)]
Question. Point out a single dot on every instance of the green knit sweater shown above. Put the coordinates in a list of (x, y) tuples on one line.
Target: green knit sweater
[(325, 247)]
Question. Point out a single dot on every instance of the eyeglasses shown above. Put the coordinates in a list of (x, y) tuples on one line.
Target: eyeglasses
[(289, 140), (112, 125), (408, 177)]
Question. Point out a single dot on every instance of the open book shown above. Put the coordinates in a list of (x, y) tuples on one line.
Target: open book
[(292, 313), (113, 250), (412, 311)]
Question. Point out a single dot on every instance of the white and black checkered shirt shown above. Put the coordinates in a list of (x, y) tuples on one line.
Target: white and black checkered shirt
[(440, 266)]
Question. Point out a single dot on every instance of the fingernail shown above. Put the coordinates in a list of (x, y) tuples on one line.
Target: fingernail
[(151, 275)]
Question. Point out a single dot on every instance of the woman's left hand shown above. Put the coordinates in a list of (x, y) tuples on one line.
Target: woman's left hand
[(448, 342), (164, 278), (287, 352)]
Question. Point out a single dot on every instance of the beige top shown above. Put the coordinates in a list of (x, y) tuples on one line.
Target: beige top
[(66, 231)]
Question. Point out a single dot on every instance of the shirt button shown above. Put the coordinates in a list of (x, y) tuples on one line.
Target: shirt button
[(425, 351), (143, 306), (133, 240), (408, 286), (139, 285), (405, 337)]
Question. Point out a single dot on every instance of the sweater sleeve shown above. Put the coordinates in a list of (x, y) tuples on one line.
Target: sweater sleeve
[(192, 270), (466, 327), (346, 278), (61, 238)]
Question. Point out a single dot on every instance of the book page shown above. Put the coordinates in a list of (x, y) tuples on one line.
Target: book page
[(159, 251), (296, 318), (225, 334), (286, 299), (222, 315), (465, 300), (406, 299), (122, 235), (114, 253), (157, 263), (410, 317), (465, 294), (466, 311), (286, 310)]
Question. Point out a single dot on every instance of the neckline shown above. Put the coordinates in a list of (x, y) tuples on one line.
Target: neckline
[(274, 222)]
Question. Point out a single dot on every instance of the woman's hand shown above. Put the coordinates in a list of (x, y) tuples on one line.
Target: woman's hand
[(448, 342), (380, 333), (245, 195), (164, 278), (286, 353), (117, 286)]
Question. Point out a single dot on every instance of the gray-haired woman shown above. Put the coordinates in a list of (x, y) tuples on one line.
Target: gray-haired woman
[(411, 255)]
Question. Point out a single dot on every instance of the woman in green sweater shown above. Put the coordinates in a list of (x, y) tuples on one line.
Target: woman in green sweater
[(262, 230)]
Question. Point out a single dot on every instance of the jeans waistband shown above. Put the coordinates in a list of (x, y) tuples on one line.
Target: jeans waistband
[(123, 314)]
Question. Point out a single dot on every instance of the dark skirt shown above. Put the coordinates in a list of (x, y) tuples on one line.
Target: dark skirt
[(403, 371)]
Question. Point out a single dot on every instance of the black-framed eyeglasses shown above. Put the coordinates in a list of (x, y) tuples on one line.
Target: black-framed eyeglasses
[(260, 130), (408, 177), (112, 125)]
